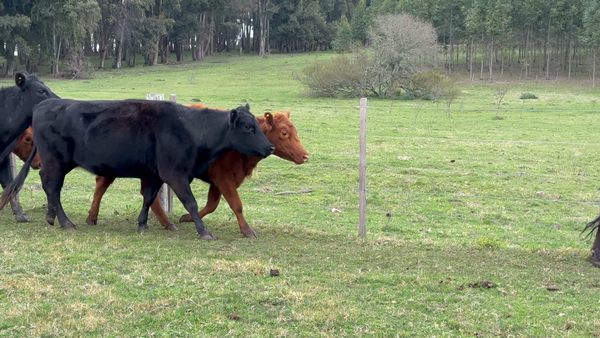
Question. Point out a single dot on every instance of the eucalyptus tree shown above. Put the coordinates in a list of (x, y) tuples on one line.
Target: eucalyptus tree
[(66, 23), (497, 26), (475, 25), (265, 11), (591, 31), (15, 23), (361, 21), (106, 26), (525, 30), (573, 28)]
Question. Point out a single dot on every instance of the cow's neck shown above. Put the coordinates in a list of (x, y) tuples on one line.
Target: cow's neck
[(13, 121), (209, 147)]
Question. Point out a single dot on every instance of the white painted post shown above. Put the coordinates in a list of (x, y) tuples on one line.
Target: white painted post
[(165, 194), (13, 165), (13, 171), (362, 171), (155, 97), (166, 190)]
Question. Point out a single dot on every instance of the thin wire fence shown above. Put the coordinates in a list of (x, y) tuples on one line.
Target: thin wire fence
[(352, 108), (418, 196)]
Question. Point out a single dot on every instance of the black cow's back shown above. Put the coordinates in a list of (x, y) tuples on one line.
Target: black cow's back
[(113, 138)]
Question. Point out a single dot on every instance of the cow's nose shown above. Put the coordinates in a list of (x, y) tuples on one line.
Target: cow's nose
[(306, 157), (272, 149)]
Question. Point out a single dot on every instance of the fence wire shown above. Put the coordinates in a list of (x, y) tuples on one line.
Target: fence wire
[(412, 195)]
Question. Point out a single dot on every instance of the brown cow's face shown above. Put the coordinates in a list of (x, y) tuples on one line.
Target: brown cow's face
[(25, 147), (281, 132)]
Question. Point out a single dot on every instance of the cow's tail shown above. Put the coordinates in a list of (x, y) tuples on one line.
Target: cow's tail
[(12, 189), (591, 227)]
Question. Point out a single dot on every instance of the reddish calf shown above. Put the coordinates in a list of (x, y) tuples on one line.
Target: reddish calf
[(226, 173), (24, 148)]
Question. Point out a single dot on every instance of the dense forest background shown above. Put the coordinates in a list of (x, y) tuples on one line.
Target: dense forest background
[(545, 38)]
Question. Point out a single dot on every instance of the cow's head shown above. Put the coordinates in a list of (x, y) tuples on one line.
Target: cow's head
[(280, 131), (25, 147), (244, 134), (33, 91)]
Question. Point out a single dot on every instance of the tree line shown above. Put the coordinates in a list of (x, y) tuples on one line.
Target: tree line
[(545, 38)]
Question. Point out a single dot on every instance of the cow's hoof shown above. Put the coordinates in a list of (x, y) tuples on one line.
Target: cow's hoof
[(208, 237), (90, 221), (22, 218), (186, 218), (171, 227), (250, 234), (69, 227), (50, 220), (143, 229)]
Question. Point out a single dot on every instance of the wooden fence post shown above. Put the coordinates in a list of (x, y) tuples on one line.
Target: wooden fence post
[(362, 171), (165, 194)]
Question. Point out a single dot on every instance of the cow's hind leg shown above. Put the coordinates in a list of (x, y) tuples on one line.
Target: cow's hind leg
[(158, 211), (51, 211), (181, 188), (6, 178), (594, 226), (102, 184), (149, 191), (212, 202), (53, 177)]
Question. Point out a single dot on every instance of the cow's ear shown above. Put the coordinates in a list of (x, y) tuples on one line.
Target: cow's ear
[(287, 113), (20, 79), (233, 117), (248, 106), (269, 118)]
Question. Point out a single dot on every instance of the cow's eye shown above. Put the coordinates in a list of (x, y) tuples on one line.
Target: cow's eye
[(28, 139), (249, 127), (42, 91), (283, 133)]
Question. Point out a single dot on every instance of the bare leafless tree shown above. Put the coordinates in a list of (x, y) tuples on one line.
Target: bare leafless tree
[(402, 45)]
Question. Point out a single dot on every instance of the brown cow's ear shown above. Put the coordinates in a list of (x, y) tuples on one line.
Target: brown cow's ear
[(20, 79), (269, 118), (287, 112)]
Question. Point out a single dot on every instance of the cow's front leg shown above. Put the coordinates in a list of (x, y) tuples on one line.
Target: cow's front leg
[(181, 188), (212, 202), (235, 203), (149, 192), (6, 178)]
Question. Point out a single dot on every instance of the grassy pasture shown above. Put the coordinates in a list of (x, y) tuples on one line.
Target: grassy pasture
[(475, 195)]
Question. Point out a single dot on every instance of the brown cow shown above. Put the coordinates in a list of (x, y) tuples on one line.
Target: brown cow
[(24, 147), (226, 173)]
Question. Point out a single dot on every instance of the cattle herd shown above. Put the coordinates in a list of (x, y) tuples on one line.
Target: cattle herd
[(155, 141)]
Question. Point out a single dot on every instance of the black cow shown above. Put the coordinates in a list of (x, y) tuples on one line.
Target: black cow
[(16, 109), (158, 141)]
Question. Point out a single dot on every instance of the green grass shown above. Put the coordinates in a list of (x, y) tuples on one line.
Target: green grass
[(472, 198)]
